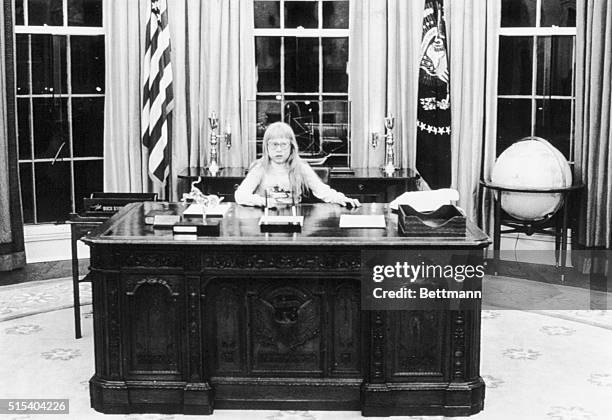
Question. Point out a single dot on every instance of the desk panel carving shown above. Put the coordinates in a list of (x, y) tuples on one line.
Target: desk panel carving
[(287, 260), (154, 342), (417, 345), (286, 333)]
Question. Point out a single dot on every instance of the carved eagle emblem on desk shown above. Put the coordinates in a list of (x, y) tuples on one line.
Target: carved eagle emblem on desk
[(285, 323)]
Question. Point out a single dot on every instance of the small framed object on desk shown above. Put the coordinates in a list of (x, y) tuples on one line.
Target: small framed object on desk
[(280, 223)]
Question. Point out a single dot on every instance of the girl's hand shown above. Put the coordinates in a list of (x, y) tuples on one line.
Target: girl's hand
[(349, 202)]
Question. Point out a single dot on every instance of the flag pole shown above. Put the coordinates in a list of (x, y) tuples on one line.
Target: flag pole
[(170, 163)]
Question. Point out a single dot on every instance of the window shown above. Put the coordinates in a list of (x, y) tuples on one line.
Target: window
[(536, 72), (301, 56), (60, 104)]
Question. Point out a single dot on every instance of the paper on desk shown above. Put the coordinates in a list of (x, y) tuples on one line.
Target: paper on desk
[(362, 221), (281, 220), (426, 200), (198, 209)]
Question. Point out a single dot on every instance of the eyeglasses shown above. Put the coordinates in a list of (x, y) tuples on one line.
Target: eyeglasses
[(278, 145)]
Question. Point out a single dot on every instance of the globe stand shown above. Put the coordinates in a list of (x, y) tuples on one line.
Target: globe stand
[(557, 220)]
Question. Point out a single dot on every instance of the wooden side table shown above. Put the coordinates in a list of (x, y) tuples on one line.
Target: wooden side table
[(558, 220), (79, 227)]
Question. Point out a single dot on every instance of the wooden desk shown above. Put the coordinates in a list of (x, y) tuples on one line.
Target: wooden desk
[(270, 321), (367, 185)]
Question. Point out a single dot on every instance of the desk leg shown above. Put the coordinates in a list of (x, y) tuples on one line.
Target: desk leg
[(75, 282)]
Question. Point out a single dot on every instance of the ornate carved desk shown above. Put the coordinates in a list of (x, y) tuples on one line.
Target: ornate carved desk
[(252, 320)]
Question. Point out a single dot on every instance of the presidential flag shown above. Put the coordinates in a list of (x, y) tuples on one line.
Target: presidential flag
[(433, 159), (157, 96)]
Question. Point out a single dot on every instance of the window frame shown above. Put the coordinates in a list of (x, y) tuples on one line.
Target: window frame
[(317, 33), (68, 32), (537, 32)]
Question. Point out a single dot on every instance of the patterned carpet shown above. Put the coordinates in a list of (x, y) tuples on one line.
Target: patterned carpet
[(553, 365)]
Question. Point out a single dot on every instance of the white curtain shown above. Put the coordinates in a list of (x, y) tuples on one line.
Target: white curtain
[(404, 47), (213, 64), (384, 57), (593, 148), (123, 152), (367, 79), (384, 47), (490, 106), (473, 38)]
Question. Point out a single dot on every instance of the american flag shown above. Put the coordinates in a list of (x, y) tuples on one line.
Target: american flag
[(433, 159), (157, 96)]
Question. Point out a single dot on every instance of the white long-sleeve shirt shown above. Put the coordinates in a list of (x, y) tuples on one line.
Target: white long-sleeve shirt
[(252, 189)]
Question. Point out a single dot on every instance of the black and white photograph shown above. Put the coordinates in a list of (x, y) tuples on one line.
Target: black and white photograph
[(306, 209)]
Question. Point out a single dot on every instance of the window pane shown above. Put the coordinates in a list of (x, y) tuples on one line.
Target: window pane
[(335, 57), (335, 126), (85, 13), (515, 65), (19, 17), (553, 122), (301, 13), (521, 13), (48, 64), (53, 197), (301, 64), (555, 58), (267, 14), (513, 121), (268, 63), (268, 111), (45, 12), (336, 14), (51, 128), (303, 116), (87, 60), (558, 13), (23, 128), (21, 46), (88, 178), (87, 126), (27, 195), (336, 120)]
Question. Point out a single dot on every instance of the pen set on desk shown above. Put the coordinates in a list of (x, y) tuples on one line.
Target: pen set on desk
[(279, 223)]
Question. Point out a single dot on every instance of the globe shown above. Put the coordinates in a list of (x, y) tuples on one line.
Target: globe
[(531, 163)]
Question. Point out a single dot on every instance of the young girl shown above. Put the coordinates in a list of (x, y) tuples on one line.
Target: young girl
[(281, 169)]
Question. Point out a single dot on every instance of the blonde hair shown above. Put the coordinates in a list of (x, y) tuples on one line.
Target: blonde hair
[(281, 130)]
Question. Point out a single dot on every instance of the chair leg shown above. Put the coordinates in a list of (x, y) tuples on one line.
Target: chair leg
[(496, 232), (75, 284), (564, 241)]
